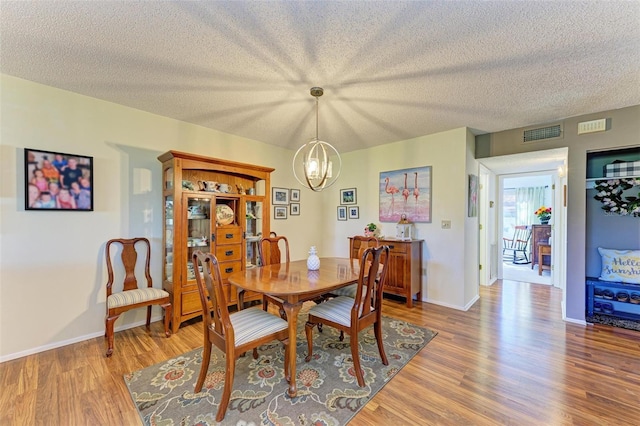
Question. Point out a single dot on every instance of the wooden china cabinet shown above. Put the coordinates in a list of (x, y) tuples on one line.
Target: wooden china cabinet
[(216, 206)]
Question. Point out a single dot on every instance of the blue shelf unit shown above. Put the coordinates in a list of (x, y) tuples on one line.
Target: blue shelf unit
[(602, 298)]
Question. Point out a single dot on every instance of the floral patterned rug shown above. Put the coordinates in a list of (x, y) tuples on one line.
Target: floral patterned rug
[(328, 392)]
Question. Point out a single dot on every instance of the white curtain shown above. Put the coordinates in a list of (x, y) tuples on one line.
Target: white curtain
[(528, 200)]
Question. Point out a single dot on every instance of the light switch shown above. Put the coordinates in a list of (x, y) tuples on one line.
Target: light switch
[(446, 224)]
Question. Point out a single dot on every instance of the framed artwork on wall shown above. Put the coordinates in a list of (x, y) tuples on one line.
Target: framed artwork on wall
[(348, 196), (295, 195), (294, 209), (279, 196), (405, 191), (354, 212), (279, 212), (473, 196), (57, 181), (342, 212)]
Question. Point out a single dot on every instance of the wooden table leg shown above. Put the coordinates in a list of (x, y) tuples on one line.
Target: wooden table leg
[(292, 311)]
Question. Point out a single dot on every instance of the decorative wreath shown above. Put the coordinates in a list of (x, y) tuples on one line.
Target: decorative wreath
[(611, 194)]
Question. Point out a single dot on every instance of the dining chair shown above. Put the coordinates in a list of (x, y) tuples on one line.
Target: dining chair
[(352, 315), (131, 296), (357, 246), (233, 333), (270, 250)]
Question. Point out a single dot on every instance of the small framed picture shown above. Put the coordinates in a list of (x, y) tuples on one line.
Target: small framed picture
[(342, 213), (279, 212), (354, 212), (348, 196), (57, 181), (295, 196), (294, 209), (279, 196)]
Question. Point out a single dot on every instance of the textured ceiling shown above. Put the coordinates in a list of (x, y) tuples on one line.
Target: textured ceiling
[(391, 70)]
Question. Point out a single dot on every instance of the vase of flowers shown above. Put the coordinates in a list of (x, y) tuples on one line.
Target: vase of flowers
[(370, 230), (544, 214)]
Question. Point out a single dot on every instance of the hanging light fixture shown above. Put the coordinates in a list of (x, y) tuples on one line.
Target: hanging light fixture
[(315, 159)]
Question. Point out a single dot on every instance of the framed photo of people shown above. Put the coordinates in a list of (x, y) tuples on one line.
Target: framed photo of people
[(57, 181)]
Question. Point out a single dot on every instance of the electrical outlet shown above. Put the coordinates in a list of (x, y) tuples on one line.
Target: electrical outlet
[(446, 224)]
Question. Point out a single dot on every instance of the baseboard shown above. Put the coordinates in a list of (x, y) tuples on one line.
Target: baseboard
[(446, 305), (576, 321), (62, 343), (472, 302)]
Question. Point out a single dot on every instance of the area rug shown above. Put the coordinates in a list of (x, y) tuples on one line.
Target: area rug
[(328, 391)]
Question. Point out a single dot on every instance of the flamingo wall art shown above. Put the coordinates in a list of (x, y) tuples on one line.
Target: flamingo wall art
[(406, 191)]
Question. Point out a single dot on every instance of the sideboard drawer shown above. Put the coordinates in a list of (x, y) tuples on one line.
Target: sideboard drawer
[(228, 235), (228, 253)]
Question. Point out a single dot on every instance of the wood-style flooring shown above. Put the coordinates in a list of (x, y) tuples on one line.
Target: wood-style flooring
[(510, 360)]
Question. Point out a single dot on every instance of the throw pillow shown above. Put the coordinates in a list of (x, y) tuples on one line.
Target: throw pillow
[(620, 265)]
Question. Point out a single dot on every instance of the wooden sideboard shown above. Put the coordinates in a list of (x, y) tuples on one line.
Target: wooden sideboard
[(539, 234), (404, 269)]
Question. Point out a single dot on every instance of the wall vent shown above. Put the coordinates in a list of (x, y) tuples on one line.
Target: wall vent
[(542, 133)]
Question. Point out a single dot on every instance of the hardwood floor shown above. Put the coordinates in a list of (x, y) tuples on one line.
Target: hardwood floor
[(510, 359)]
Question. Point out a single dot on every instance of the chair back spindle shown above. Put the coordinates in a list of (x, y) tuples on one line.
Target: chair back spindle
[(270, 250), (212, 297)]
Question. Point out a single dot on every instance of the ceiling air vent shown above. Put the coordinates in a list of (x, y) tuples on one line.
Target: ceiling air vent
[(542, 133)]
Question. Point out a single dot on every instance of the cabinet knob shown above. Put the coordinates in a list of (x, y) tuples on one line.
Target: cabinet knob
[(391, 246), (228, 236), (228, 270), (228, 253)]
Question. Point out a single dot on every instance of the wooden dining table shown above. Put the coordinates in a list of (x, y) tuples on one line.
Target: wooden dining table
[(294, 284)]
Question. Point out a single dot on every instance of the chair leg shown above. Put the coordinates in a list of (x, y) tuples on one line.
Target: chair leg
[(286, 362), (356, 359), (228, 385), (167, 319), (308, 330), (149, 317), (341, 335), (377, 329), (206, 357), (109, 333)]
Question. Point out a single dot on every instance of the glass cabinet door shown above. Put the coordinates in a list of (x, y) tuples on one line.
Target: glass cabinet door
[(198, 229), (253, 232), (168, 238)]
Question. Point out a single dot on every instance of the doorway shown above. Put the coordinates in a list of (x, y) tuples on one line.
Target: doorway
[(522, 196), (494, 170)]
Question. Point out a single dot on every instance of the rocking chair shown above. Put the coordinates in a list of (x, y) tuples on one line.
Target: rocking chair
[(518, 244)]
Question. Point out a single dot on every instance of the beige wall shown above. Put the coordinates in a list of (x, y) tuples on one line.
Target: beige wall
[(52, 272), (447, 258), (624, 132)]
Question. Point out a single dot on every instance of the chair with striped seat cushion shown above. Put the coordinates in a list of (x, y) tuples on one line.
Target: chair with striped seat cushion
[(131, 296), (232, 333), (352, 315)]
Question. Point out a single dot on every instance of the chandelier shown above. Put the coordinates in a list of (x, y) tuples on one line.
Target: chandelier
[(315, 159)]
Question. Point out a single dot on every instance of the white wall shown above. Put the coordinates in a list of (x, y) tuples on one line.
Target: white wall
[(52, 272)]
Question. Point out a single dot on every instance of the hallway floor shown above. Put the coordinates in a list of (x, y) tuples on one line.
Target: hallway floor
[(524, 273)]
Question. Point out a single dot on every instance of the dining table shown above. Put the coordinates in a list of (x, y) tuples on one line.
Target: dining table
[(294, 284)]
